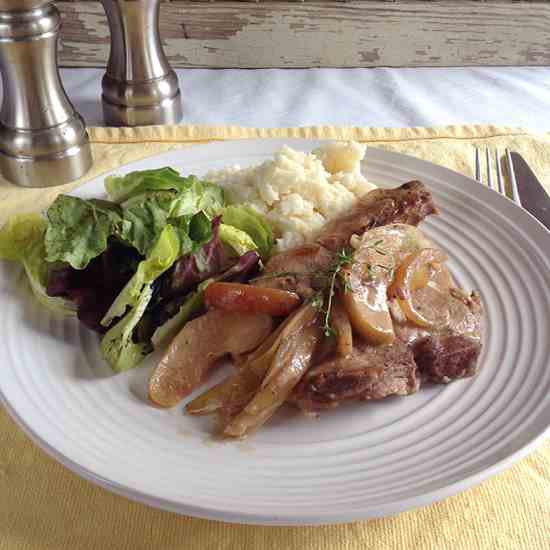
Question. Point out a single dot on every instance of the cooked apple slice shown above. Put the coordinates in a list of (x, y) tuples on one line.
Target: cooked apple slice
[(367, 279), (251, 299), (198, 346), (233, 393)]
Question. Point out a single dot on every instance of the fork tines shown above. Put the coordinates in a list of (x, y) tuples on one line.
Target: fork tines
[(497, 171)]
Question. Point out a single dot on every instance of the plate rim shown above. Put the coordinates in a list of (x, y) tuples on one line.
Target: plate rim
[(281, 520)]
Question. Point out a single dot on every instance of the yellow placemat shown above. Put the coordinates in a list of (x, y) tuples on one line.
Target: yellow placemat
[(44, 506)]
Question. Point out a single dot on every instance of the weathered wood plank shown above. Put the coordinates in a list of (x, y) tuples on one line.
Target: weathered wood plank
[(328, 34)]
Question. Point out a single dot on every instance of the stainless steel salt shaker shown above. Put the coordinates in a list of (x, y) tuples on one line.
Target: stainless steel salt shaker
[(43, 140), (139, 87)]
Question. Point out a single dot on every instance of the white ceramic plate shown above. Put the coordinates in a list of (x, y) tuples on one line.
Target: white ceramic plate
[(357, 462)]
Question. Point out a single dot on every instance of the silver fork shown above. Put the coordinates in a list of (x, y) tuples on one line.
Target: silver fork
[(499, 187)]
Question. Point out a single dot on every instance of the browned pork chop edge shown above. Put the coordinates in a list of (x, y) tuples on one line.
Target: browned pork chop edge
[(374, 372), (370, 372), (410, 203), (453, 353)]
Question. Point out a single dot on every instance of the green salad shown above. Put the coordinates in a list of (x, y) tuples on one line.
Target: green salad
[(134, 267)]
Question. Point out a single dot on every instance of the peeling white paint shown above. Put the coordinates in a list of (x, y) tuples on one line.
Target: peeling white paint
[(326, 34)]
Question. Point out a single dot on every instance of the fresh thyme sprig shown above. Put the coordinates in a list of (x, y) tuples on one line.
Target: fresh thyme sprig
[(372, 267), (327, 281), (343, 259), (318, 302)]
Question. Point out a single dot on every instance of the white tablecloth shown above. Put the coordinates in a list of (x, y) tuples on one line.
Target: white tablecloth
[(358, 97)]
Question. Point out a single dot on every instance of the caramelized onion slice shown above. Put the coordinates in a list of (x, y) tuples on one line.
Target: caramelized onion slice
[(238, 388), (412, 274), (234, 392), (340, 322), (290, 364)]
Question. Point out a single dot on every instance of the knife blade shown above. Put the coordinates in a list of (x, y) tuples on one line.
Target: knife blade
[(533, 196)]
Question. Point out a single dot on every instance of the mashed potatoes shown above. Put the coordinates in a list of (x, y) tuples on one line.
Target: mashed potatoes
[(299, 192)]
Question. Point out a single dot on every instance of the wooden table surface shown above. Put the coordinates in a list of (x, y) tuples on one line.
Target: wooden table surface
[(357, 33)]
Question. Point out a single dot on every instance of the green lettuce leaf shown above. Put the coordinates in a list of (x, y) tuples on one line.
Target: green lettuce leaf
[(143, 220), (36, 269), (22, 240), (199, 195), (78, 229), (117, 346), (252, 223), (200, 228), (163, 254), (158, 198), (239, 241), (121, 188), (144, 217), (192, 194), (20, 233), (181, 226)]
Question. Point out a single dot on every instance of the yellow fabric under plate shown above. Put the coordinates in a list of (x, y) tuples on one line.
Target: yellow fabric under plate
[(44, 506)]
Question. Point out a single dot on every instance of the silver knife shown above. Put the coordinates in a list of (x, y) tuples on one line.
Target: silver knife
[(533, 196)]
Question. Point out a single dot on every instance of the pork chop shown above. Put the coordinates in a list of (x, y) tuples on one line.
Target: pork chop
[(295, 269), (409, 203), (439, 355), (369, 372)]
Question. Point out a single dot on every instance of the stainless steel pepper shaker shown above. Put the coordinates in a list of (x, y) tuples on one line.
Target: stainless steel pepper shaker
[(43, 140), (139, 87)]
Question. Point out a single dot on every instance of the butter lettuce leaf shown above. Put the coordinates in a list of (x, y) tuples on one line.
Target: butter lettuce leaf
[(159, 198), (163, 254), (192, 194), (143, 220), (143, 203), (252, 223), (198, 196), (121, 188), (238, 241), (117, 346), (22, 240), (20, 233), (78, 229)]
